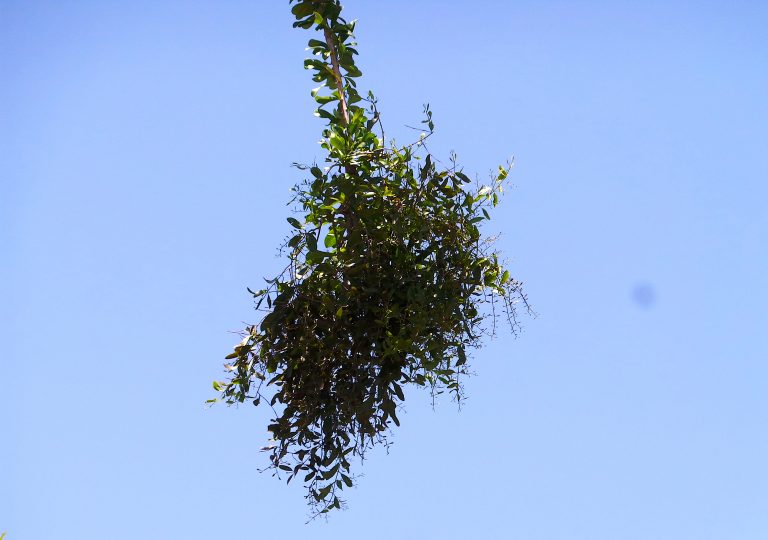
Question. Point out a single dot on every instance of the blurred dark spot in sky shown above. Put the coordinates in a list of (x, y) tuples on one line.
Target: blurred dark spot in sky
[(644, 295)]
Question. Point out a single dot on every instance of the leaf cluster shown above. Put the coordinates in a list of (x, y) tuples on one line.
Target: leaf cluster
[(387, 285)]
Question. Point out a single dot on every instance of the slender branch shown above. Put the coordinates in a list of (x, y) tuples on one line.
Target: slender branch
[(337, 72), (343, 105)]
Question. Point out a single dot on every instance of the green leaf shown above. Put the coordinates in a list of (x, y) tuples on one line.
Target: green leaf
[(316, 43), (325, 491), (293, 242), (337, 142), (462, 355), (314, 257), (330, 240), (322, 113), (294, 222), (305, 24), (330, 473), (303, 9), (322, 100)]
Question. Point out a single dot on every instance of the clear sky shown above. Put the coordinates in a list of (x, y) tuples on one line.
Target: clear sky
[(145, 152)]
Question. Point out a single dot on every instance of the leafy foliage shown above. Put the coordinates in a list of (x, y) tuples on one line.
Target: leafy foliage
[(386, 281)]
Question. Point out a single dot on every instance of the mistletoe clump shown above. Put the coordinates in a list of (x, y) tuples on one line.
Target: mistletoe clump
[(387, 279)]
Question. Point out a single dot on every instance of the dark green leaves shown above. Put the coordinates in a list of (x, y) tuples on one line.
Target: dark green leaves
[(311, 242), (294, 222), (395, 298), (302, 9)]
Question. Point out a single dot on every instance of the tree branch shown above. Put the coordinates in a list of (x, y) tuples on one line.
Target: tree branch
[(337, 72)]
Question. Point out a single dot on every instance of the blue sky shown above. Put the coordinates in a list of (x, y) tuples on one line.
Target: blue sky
[(145, 152)]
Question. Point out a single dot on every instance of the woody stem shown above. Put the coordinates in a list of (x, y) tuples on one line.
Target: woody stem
[(337, 73)]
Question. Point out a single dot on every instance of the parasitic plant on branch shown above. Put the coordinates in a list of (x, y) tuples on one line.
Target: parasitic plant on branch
[(387, 285)]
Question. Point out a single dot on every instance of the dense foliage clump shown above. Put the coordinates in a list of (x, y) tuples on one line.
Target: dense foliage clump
[(385, 286)]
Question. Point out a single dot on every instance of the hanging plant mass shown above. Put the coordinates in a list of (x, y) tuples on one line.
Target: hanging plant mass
[(387, 284)]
